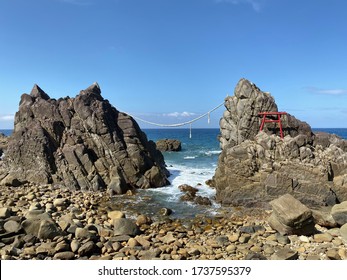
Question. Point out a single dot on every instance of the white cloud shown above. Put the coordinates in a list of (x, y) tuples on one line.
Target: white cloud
[(177, 114), (255, 4), (7, 118), (327, 91)]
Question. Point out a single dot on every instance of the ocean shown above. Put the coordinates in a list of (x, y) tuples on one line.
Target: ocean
[(195, 164)]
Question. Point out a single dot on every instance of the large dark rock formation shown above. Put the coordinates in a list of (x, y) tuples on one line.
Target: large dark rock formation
[(255, 168), (82, 143)]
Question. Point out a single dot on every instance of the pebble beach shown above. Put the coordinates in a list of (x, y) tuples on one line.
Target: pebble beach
[(64, 224)]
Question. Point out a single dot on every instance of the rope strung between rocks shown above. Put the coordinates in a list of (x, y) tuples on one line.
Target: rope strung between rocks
[(178, 124), (183, 123)]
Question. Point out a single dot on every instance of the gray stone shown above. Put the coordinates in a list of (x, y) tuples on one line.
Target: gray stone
[(40, 225), (75, 245), (12, 226), (87, 249), (82, 233), (150, 254), (323, 237), (64, 256), (125, 226), (285, 254), (290, 211), (339, 213)]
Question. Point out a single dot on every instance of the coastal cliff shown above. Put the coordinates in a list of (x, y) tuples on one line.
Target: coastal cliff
[(83, 143), (256, 167)]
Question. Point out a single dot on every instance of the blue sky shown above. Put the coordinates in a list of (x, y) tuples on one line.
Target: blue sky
[(168, 61)]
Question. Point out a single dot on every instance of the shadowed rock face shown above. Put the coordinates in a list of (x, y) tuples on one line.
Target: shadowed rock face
[(256, 167), (3, 144), (82, 143)]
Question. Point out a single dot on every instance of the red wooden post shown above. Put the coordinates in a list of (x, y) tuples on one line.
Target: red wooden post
[(265, 120)]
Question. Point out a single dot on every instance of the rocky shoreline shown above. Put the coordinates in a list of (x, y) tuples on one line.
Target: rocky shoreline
[(49, 223)]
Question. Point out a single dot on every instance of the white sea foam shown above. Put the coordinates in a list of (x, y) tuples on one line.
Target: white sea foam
[(195, 177), (210, 153), (190, 157)]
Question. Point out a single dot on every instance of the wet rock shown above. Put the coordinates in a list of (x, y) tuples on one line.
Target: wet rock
[(169, 145), (165, 211), (200, 200), (339, 213), (143, 220)]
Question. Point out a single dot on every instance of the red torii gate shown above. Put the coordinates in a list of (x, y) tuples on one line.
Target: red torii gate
[(278, 120)]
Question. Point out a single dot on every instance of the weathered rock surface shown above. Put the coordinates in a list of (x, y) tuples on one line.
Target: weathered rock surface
[(257, 167), (290, 216), (169, 145), (339, 213), (82, 143)]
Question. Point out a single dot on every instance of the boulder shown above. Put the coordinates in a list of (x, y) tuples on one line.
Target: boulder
[(169, 145), (83, 143), (40, 225), (123, 226), (339, 213), (256, 167), (290, 216)]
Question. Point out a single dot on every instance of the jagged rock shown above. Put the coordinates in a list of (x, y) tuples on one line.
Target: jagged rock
[(290, 216), (82, 143), (169, 145), (339, 213), (257, 167)]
